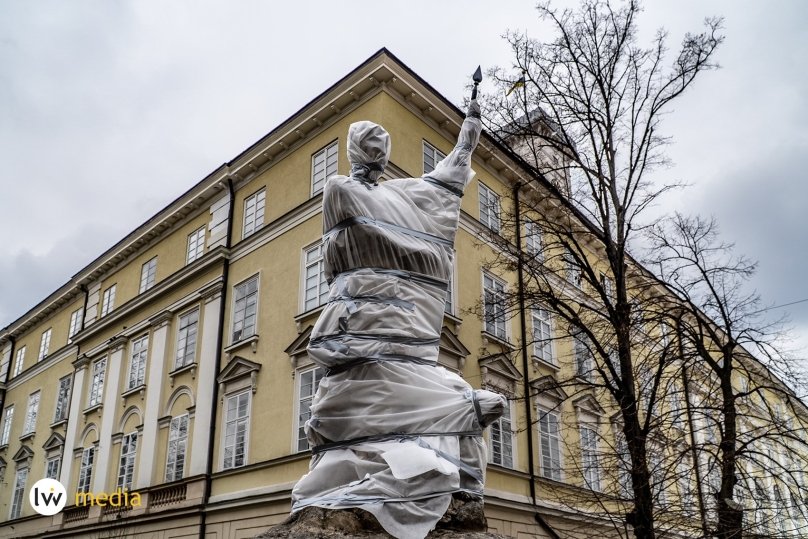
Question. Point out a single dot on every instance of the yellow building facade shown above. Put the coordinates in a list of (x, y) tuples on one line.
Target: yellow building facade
[(174, 365)]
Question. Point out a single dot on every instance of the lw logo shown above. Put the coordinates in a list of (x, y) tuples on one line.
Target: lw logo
[(47, 497)]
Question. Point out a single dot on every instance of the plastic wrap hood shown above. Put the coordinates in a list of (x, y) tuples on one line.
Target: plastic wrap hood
[(368, 150)]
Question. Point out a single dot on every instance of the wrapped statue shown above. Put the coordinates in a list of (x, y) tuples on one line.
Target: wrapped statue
[(392, 432)]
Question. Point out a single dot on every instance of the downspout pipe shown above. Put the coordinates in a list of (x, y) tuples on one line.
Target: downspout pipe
[(520, 275), (219, 340)]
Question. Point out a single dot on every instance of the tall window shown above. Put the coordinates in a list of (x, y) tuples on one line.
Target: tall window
[(97, 382), (489, 208), (236, 433), (8, 418), (608, 287), (44, 344), (137, 363), (19, 493), (52, 468), (494, 306), (584, 361), (543, 336), (148, 273), (449, 305), (432, 156), (126, 468), (550, 449), (86, 469), (246, 298), (177, 444), (254, 212), (572, 268), (63, 398), (502, 439), (196, 245), (30, 416), (186, 339), (323, 166), (75, 323), (533, 243), (589, 457), (309, 382), (108, 300), (19, 361), (315, 287)]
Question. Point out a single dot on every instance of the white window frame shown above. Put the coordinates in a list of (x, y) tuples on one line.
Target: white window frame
[(543, 347), (236, 320), (451, 293), (177, 447), (584, 359), (187, 333), (308, 302), (8, 419), (590, 466), (63, 398), (86, 469), (254, 210), (31, 413), (328, 159), (75, 324), (502, 439), (44, 344), (432, 154), (533, 239), (236, 421), (196, 244), (52, 467), (301, 400), (18, 494), (19, 361), (500, 327), (138, 355), (573, 272), (550, 464), (126, 464), (148, 275), (96, 389), (108, 300), (490, 208)]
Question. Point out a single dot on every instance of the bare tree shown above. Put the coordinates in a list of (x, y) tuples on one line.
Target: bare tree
[(586, 113), (753, 444)]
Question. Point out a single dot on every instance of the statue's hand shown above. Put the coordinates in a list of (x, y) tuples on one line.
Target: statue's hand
[(474, 109)]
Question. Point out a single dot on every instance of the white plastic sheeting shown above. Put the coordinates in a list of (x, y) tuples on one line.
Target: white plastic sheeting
[(392, 432)]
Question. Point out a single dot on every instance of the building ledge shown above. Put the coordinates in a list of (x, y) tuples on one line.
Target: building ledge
[(141, 389), (251, 341), (191, 367), (491, 338), (59, 423), (93, 408), (27, 435)]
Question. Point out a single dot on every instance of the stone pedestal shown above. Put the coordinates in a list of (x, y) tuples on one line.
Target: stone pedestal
[(463, 520)]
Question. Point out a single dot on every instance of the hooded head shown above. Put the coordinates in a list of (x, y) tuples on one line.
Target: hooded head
[(368, 150)]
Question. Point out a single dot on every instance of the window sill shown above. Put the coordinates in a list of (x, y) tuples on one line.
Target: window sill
[(544, 363), (306, 315), (137, 389), (191, 367), (59, 423), (3, 447), (93, 408), (252, 341), (490, 338), (27, 436)]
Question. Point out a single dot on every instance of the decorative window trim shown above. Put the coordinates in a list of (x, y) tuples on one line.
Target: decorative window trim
[(330, 162), (496, 293), (242, 335), (148, 275), (256, 215), (321, 295), (196, 244), (432, 154), (296, 424), (490, 208)]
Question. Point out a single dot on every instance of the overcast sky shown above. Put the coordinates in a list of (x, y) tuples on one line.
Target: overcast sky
[(111, 109)]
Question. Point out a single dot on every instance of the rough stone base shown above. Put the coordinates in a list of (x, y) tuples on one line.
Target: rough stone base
[(463, 520)]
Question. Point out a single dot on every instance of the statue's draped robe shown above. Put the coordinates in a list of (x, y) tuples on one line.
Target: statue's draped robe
[(392, 432)]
